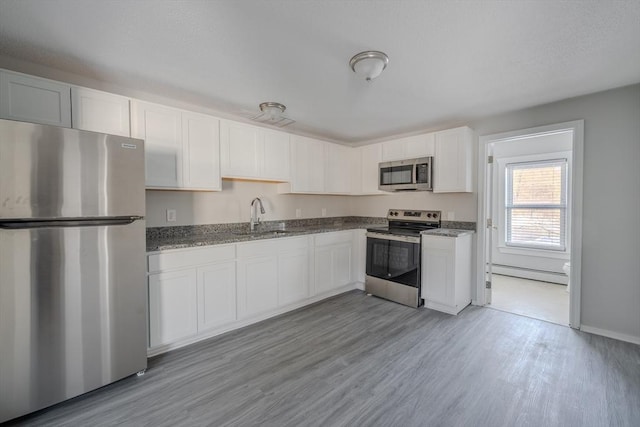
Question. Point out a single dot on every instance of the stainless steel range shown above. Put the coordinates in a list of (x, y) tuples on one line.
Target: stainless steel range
[(393, 255)]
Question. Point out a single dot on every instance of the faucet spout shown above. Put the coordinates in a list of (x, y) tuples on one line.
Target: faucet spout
[(255, 219)]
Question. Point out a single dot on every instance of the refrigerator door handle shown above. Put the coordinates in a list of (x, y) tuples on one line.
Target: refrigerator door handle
[(67, 222)]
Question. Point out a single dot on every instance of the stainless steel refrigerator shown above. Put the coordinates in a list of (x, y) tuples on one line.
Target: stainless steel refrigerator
[(73, 298)]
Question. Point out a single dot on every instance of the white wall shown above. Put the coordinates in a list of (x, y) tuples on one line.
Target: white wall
[(454, 206), (611, 211), (232, 204)]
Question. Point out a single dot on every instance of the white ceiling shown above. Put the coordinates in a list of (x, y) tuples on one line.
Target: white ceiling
[(450, 61)]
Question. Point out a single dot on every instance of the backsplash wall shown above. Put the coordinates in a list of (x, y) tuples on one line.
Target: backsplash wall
[(232, 204)]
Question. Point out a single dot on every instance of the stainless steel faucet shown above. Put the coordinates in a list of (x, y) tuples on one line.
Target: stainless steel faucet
[(255, 220)]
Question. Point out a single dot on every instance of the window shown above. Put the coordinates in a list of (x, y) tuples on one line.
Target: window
[(536, 204)]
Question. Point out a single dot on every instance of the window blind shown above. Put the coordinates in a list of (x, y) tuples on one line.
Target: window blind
[(536, 204)]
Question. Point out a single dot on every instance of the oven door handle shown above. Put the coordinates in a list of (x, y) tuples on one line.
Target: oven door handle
[(395, 237)]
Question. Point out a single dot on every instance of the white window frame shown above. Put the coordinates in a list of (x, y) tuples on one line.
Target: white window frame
[(500, 202), (562, 206)]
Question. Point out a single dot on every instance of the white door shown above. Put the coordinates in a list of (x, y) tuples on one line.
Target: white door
[(216, 295), (239, 150), (276, 156), (172, 306), (293, 276), (161, 128), (100, 111), (35, 100), (257, 285), (201, 152)]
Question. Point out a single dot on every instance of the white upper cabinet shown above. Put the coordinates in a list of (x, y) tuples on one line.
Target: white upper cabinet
[(251, 152), (307, 166), (200, 152), (181, 148), (161, 128), (452, 169), (409, 147), (277, 153), (338, 170), (100, 111), (371, 156), (35, 100)]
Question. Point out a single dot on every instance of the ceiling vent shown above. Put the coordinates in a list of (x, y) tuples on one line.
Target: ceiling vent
[(271, 113)]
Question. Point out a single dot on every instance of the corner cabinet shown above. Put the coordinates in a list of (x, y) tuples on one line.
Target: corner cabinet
[(452, 169), (33, 99), (182, 149), (446, 272)]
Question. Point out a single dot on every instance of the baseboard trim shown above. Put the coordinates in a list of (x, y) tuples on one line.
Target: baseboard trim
[(523, 273), (610, 334)]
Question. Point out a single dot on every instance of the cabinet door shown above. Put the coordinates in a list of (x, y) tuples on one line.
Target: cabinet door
[(257, 285), (323, 270), (419, 146), (200, 152), (239, 149), (338, 170), (452, 162), (172, 306), (342, 264), (438, 270), (161, 128), (371, 158), (35, 100), (216, 295), (100, 111), (293, 276), (308, 163), (276, 156)]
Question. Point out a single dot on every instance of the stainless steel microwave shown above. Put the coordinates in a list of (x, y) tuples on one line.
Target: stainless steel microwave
[(406, 175)]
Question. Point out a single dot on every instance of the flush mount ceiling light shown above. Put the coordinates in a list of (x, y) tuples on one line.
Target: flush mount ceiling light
[(271, 114), (369, 64)]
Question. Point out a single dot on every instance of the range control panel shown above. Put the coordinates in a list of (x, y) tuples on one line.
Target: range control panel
[(418, 216)]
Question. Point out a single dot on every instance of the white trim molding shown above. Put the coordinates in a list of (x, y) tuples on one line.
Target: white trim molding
[(577, 126), (610, 334)]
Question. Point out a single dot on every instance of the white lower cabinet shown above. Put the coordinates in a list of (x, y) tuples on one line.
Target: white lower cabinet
[(216, 295), (446, 272), (333, 261), (257, 285), (196, 293), (272, 273), (173, 308)]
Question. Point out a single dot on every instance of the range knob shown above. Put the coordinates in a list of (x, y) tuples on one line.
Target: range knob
[(428, 215)]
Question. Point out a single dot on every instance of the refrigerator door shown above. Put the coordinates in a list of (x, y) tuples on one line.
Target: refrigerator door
[(72, 312), (53, 172)]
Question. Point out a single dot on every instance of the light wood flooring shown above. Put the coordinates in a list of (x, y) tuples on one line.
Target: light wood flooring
[(355, 360), (533, 298)]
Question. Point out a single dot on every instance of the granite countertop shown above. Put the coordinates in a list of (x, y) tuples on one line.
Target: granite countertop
[(447, 232), (164, 238)]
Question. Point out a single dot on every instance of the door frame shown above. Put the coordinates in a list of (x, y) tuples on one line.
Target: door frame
[(483, 255)]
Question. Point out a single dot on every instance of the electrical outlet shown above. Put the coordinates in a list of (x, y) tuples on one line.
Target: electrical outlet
[(298, 213), (171, 215), (324, 211)]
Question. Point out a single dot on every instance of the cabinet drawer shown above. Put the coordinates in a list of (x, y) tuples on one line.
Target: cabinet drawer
[(334, 237), (190, 257)]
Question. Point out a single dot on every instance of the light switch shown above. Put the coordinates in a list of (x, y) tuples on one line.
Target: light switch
[(171, 215)]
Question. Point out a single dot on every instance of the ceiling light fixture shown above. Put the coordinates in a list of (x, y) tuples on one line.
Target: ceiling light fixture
[(271, 114), (369, 64), (272, 109)]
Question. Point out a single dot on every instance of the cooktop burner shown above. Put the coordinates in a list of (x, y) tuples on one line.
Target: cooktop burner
[(409, 222)]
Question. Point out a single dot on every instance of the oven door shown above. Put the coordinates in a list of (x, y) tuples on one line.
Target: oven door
[(394, 258)]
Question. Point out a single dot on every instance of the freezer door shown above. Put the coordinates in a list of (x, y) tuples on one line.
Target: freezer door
[(72, 312), (54, 172)]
